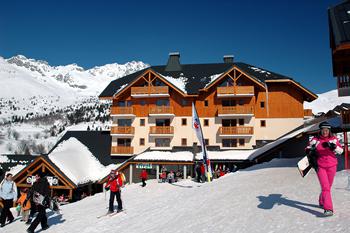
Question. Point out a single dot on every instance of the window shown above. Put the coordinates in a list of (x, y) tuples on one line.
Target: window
[(142, 141), (206, 122), (229, 122), (206, 104), (183, 121), (162, 122), (184, 142), (227, 82), (124, 122), (159, 83), (241, 102), (142, 122), (241, 142), (241, 121), (262, 104), (184, 102), (206, 141), (228, 103), (142, 102), (229, 142), (262, 123), (121, 103), (162, 102), (162, 142), (124, 142)]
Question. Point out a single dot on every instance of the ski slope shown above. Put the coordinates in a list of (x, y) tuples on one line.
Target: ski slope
[(271, 197)]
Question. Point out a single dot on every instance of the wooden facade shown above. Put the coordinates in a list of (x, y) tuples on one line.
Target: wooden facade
[(42, 164)]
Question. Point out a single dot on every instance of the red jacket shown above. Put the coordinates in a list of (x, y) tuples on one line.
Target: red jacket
[(144, 175), (114, 183), (202, 169)]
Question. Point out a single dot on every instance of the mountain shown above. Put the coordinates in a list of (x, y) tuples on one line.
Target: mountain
[(33, 86), (326, 101)]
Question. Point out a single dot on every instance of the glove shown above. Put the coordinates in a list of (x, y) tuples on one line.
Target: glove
[(332, 145), (106, 188)]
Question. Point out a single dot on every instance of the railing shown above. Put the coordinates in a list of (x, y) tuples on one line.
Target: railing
[(122, 150), (149, 90), (308, 112), (122, 130), (223, 110), (236, 90), (236, 130), (161, 130), (121, 110), (161, 110)]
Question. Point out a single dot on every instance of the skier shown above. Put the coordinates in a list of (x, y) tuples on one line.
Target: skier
[(114, 184), (198, 173), (8, 193), (144, 177), (25, 208), (39, 193), (325, 146)]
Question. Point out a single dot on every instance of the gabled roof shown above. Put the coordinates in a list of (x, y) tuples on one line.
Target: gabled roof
[(198, 76), (98, 142), (339, 23)]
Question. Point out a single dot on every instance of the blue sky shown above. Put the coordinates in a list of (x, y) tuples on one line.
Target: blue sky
[(287, 37)]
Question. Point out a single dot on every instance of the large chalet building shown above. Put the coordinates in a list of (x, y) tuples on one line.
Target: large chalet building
[(240, 106)]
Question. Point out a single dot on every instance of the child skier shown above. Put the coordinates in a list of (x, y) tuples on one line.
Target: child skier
[(25, 205)]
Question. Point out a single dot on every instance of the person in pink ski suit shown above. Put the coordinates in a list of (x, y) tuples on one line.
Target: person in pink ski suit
[(326, 147)]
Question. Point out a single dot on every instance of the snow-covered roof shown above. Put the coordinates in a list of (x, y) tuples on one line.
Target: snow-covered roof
[(183, 156), (227, 155), (180, 82), (76, 161), (213, 78)]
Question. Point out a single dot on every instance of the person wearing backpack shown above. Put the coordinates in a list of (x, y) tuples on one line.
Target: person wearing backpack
[(39, 194)]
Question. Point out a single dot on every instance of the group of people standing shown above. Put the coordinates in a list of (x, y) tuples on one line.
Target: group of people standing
[(35, 199)]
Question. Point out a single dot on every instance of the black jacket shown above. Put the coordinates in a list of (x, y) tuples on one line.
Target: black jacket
[(41, 186)]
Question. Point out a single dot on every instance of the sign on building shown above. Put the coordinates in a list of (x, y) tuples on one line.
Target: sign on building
[(144, 165), (53, 180)]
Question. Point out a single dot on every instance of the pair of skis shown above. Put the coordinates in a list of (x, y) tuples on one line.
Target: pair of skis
[(110, 214)]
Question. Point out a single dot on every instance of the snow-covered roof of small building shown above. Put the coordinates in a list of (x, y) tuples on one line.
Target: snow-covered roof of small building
[(181, 156), (76, 161), (227, 155)]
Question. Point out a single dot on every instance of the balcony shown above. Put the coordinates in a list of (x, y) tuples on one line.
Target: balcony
[(150, 91), (308, 113), (236, 131), (161, 111), (235, 111), (161, 131), (122, 150), (122, 111), (122, 131), (235, 91)]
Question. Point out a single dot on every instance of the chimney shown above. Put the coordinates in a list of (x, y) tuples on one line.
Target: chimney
[(228, 58), (173, 62)]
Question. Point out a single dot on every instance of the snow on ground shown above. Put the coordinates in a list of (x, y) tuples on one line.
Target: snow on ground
[(267, 198), (326, 101)]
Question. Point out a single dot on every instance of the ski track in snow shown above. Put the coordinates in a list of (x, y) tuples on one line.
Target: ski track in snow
[(259, 199)]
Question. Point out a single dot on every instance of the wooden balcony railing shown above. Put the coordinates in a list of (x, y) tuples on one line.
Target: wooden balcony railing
[(308, 113), (229, 110), (122, 130), (122, 150), (236, 90), (150, 90), (161, 130), (161, 110), (122, 110), (236, 130)]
